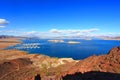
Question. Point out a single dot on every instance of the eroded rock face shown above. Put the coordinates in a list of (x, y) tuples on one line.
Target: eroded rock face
[(109, 63), (115, 51)]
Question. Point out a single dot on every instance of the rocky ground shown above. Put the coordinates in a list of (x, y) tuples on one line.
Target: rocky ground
[(103, 67), (19, 65)]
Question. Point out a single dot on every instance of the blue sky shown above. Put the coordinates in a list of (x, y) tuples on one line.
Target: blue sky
[(56, 18)]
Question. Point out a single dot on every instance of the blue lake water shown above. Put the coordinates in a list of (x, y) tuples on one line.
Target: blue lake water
[(85, 49)]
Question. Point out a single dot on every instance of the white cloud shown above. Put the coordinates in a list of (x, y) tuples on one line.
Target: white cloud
[(2, 26), (74, 31), (3, 21), (30, 33), (11, 31), (55, 33)]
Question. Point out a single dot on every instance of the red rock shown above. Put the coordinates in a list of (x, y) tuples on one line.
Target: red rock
[(103, 63)]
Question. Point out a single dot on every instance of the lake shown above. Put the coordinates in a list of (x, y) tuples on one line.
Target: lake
[(80, 50)]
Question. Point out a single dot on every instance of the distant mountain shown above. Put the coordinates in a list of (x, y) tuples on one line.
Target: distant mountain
[(11, 36), (65, 37), (6, 36), (109, 37)]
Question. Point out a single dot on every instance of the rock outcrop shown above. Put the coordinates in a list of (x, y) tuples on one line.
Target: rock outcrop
[(97, 66), (18, 65)]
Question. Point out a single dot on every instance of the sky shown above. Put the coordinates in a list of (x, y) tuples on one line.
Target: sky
[(60, 18)]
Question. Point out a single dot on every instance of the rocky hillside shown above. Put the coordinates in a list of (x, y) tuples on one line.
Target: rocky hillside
[(9, 68), (104, 67), (18, 65)]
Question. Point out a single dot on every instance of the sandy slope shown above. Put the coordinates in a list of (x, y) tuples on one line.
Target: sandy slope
[(5, 42)]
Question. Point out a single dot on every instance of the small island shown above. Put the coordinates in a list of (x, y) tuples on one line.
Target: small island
[(56, 41), (73, 42)]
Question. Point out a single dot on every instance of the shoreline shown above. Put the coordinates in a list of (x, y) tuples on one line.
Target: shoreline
[(6, 42)]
